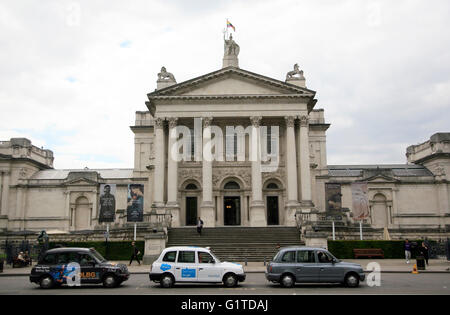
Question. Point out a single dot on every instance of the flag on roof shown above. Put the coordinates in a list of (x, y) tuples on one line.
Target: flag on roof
[(231, 25)]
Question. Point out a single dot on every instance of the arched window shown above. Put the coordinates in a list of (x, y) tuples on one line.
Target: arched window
[(191, 187), (272, 186), (232, 185)]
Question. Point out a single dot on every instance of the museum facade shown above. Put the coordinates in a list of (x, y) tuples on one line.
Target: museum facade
[(235, 148)]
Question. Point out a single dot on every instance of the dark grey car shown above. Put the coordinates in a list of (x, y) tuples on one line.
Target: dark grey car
[(312, 265)]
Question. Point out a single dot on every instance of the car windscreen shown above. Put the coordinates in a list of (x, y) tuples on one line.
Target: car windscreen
[(97, 255)]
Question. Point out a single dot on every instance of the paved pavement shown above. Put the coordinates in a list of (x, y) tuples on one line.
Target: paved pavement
[(387, 266)]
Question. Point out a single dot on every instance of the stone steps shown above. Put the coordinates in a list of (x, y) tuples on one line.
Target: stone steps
[(237, 244)]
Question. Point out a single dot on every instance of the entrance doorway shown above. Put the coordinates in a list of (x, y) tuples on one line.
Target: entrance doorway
[(191, 210), (272, 210), (232, 210)]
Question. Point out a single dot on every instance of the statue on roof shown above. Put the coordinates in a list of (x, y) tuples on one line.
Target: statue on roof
[(231, 48), (165, 76), (296, 74)]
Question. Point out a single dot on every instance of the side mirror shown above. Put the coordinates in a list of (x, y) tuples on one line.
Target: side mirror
[(334, 260)]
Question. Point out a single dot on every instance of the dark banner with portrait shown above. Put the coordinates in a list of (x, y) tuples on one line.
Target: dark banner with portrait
[(107, 204), (333, 197), (135, 203)]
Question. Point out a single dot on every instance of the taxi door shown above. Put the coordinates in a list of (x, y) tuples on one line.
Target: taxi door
[(89, 270), (186, 268), (208, 270)]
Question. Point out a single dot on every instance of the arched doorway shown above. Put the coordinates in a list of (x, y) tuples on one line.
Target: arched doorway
[(191, 206), (232, 204), (82, 214), (272, 202), (379, 211)]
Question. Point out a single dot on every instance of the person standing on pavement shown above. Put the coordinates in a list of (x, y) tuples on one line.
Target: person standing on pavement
[(407, 251), (199, 225), (134, 254), (424, 251)]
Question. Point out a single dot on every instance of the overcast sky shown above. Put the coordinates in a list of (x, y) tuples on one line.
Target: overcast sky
[(73, 73)]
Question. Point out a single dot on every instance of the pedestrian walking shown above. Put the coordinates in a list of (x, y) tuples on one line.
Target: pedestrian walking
[(134, 254), (424, 251), (407, 251), (199, 226)]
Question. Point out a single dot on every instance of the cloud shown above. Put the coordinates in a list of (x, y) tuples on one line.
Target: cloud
[(380, 68)]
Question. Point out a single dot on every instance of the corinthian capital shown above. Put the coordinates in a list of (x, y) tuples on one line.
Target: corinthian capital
[(173, 122), (290, 121), (159, 123), (256, 121), (304, 121)]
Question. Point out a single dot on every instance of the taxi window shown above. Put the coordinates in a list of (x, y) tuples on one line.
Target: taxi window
[(205, 258), (49, 259), (306, 256), (324, 257), (170, 257), (186, 257), (67, 258), (86, 259), (288, 257)]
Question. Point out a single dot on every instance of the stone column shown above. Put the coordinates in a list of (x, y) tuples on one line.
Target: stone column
[(159, 172), (172, 173), (257, 207), (207, 206), (305, 172), (291, 171), (5, 193)]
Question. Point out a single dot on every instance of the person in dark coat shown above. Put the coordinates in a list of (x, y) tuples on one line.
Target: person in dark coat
[(424, 251), (199, 226), (134, 254)]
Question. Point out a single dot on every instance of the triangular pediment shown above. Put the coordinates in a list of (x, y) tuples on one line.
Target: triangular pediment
[(81, 182), (229, 82), (380, 178)]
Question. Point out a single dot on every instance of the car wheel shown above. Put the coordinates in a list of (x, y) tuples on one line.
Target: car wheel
[(167, 281), (287, 281), (352, 280), (230, 281), (47, 282), (109, 281)]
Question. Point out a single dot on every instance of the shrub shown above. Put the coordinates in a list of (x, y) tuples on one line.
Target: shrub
[(116, 250)]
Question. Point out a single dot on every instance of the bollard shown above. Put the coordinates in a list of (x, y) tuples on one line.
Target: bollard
[(246, 260), (264, 260)]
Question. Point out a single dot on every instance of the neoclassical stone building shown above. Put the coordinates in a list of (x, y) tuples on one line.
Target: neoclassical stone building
[(269, 167)]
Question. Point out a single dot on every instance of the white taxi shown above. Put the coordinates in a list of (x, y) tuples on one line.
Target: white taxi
[(194, 264)]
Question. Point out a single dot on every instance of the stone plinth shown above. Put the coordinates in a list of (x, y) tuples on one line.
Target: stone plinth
[(154, 244), (316, 239)]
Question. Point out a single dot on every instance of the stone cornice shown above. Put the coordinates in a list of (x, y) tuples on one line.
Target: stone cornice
[(232, 70), (230, 96)]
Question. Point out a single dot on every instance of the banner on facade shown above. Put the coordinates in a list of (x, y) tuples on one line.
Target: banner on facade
[(360, 201), (107, 204), (333, 197), (135, 203)]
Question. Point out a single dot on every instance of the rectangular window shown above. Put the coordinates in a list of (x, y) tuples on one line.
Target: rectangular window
[(186, 257), (205, 258), (170, 257), (49, 259), (67, 258), (288, 257), (305, 256)]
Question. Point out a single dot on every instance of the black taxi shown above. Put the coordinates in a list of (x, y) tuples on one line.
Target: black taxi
[(76, 266)]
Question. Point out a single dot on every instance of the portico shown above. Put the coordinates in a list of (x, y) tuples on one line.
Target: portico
[(194, 146)]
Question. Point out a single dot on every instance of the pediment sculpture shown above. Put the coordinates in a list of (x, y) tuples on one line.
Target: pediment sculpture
[(165, 76), (296, 74)]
